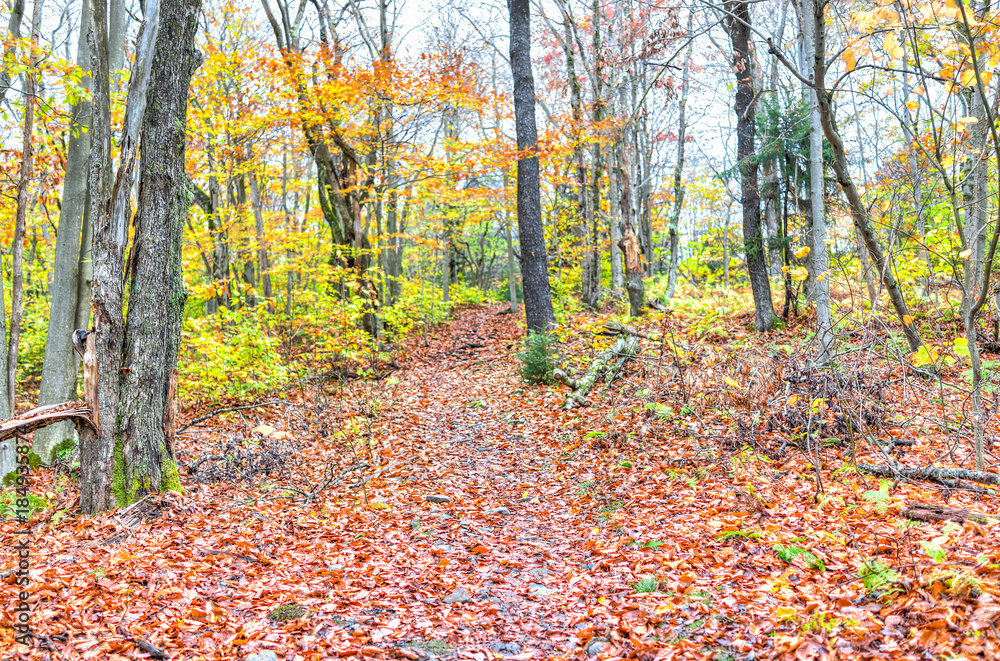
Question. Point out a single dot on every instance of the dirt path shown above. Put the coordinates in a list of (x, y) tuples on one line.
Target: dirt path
[(508, 543)]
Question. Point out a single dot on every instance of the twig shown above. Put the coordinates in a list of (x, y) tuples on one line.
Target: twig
[(216, 412)]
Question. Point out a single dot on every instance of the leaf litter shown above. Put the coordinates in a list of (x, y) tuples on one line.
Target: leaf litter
[(451, 511)]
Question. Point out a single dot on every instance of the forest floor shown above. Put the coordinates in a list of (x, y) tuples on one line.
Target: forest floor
[(449, 510)]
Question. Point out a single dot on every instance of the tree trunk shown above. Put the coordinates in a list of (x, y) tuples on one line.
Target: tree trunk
[(511, 273), (263, 262), (534, 261), (109, 211), (17, 245), (859, 212), (675, 214), (814, 30), (157, 293), (629, 243), (14, 33), (59, 368), (589, 269), (738, 26)]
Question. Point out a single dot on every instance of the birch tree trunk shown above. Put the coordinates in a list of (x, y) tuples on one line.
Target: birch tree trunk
[(263, 262), (14, 31)]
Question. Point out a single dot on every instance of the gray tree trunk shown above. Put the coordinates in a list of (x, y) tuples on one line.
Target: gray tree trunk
[(157, 294), (263, 261), (17, 245), (534, 261), (61, 362), (813, 30), (675, 214)]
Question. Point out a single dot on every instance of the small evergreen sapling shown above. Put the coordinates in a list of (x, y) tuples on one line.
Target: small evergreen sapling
[(538, 360)]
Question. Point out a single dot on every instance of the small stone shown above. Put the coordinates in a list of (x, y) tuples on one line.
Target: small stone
[(595, 646), (459, 596), (266, 655), (438, 498), (503, 511)]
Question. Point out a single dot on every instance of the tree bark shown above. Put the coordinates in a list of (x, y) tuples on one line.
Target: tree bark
[(629, 243), (14, 32), (17, 245), (157, 294), (815, 29), (534, 261), (738, 25), (263, 261), (59, 367), (859, 212), (109, 211), (675, 214)]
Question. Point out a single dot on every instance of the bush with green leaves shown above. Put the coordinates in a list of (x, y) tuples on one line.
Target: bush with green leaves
[(538, 359), (232, 355)]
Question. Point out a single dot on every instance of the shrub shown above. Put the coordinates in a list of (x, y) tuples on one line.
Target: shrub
[(538, 360)]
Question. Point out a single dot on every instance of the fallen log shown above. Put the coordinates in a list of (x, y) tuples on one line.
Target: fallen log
[(625, 348), (937, 513), (613, 328), (44, 416), (948, 477)]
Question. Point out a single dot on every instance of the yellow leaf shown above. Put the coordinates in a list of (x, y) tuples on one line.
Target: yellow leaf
[(968, 78), (892, 46), (965, 254), (731, 382), (595, 531), (792, 400), (785, 613), (913, 105), (850, 60), (969, 120), (919, 90), (802, 252), (907, 319), (961, 347), (924, 356), (885, 205)]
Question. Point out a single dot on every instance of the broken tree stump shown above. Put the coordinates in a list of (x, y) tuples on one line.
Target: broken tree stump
[(625, 348), (76, 412)]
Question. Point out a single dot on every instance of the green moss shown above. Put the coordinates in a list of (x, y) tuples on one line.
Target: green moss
[(170, 477), (289, 611), (118, 474)]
